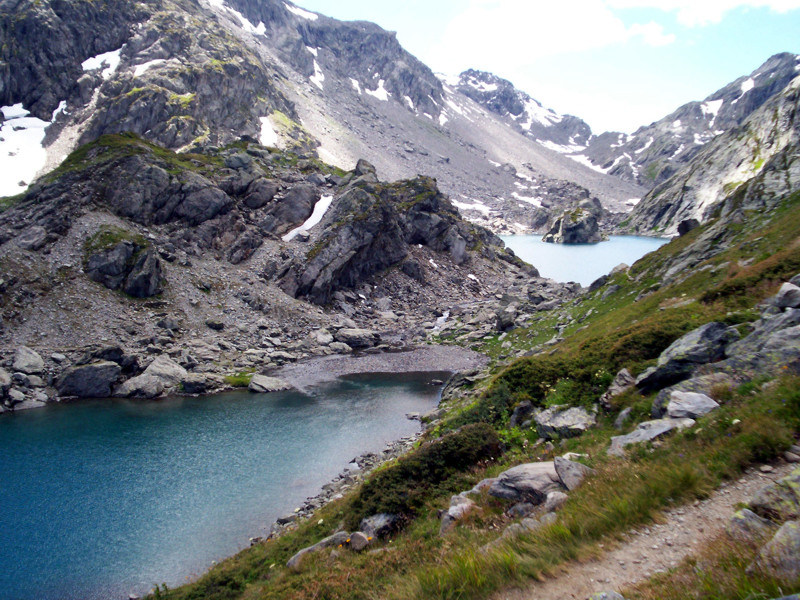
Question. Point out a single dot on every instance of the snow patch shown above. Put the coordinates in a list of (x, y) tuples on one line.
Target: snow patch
[(711, 108), (140, 70), (442, 119), (748, 85), (646, 146), (537, 202), (676, 124), (356, 85), (318, 77), (474, 278), (678, 151), (320, 208), (476, 205), (410, 102), (494, 164), (304, 14), (108, 59), (313, 51), (584, 160), (433, 264), (268, 137), (455, 107), (380, 93), (21, 152), (537, 113), (561, 148)]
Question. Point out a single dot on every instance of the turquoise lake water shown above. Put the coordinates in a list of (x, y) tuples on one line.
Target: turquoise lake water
[(580, 262), (101, 499)]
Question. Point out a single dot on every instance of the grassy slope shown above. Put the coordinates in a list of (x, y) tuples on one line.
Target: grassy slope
[(755, 423)]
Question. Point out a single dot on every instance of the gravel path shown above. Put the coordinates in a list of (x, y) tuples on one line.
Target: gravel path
[(650, 549), (424, 358)]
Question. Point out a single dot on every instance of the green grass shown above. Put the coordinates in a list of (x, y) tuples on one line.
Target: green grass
[(239, 380)]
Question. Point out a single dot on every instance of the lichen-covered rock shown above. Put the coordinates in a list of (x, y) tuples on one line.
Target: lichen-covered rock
[(787, 297), (781, 555), (779, 501), (459, 507), (747, 525), (577, 226), (700, 384), (622, 383), (562, 422)]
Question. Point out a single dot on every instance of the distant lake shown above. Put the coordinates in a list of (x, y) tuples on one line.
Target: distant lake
[(105, 498), (580, 262)]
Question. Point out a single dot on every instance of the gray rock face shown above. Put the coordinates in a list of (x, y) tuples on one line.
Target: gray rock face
[(571, 474), (606, 596), (554, 501), (781, 555), (358, 541), (561, 422), (529, 482), (689, 405), (578, 226), (28, 361), (142, 386), (119, 267), (89, 381), (144, 279), (779, 501), (261, 384), (167, 370), (521, 413), (5, 382), (194, 383), (705, 344), (380, 526), (357, 338), (645, 432)]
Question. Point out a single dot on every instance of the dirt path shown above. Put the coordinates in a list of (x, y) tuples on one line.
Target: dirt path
[(648, 550)]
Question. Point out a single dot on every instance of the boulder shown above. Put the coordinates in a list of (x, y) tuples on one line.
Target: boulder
[(261, 384), (358, 541), (554, 501), (701, 384), (459, 507), (687, 225), (746, 525), (645, 432), (506, 317), (781, 555), (381, 525), (110, 266), (34, 238), (561, 422), (5, 382), (527, 483), (143, 386), (144, 279), (333, 541), (779, 501), (787, 297), (28, 361), (363, 167), (167, 370), (622, 418), (689, 405), (194, 383), (89, 381), (571, 474), (260, 193), (622, 383), (705, 344), (215, 324), (521, 413), (357, 338)]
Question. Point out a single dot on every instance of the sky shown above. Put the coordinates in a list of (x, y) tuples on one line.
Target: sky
[(617, 64)]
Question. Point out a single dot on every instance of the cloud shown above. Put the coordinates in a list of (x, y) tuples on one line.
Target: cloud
[(698, 13), (518, 32)]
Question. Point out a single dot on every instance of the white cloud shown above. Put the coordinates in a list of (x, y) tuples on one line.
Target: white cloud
[(697, 13), (517, 32)]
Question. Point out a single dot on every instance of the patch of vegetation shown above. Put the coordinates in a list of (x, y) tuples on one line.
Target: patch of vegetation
[(239, 380), (404, 487), (109, 236)]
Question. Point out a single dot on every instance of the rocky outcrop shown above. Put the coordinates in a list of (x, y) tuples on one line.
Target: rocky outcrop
[(126, 266), (577, 226), (89, 381)]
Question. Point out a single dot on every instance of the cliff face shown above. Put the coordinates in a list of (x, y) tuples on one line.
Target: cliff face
[(760, 154)]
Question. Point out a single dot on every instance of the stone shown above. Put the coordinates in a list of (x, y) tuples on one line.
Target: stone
[(89, 381), (142, 386), (623, 417), (701, 384), (28, 361), (110, 266), (622, 383), (787, 297), (779, 501), (645, 432), (381, 525), (606, 596), (5, 382), (527, 483), (554, 501), (260, 193), (561, 422), (781, 555), (521, 413), (34, 238), (334, 541), (166, 369), (194, 383), (15, 396), (57, 357), (521, 509), (506, 317), (689, 405), (358, 541), (571, 474), (357, 338), (261, 384), (704, 345), (144, 279), (323, 337), (363, 167), (746, 525), (215, 324), (459, 507)]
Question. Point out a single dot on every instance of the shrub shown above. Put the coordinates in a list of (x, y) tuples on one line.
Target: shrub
[(404, 487)]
